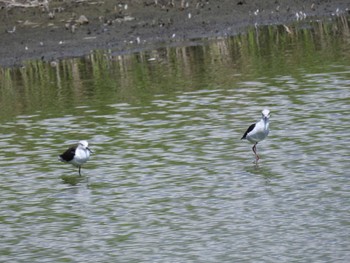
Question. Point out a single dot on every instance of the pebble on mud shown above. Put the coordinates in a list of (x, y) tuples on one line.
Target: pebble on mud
[(82, 20)]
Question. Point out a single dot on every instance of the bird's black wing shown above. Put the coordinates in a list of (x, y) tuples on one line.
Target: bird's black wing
[(251, 127), (68, 155)]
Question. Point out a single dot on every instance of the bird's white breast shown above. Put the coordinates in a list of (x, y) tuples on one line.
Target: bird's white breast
[(81, 156), (259, 133)]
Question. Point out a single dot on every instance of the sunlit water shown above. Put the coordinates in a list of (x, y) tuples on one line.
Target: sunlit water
[(169, 179)]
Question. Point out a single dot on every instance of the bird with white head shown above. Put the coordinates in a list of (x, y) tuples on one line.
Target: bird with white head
[(77, 155), (258, 131)]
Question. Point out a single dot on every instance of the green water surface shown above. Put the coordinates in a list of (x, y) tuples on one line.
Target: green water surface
[(169, 179)]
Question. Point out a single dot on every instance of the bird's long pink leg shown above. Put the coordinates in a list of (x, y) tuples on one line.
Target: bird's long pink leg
[(254, 150)]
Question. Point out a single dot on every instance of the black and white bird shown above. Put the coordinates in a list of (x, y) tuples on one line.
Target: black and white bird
[(258, 131), (76, 155)]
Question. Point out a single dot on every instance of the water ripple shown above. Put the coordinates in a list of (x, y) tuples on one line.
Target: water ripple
[(170, 180)]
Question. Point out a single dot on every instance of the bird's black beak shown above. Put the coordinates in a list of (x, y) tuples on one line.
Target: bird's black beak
[(265, 117), (88, 149)]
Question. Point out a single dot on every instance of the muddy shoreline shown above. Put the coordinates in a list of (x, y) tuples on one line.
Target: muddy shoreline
[(52, 30)]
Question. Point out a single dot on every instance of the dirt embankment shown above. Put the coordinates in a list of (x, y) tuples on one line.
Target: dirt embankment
[(53, 29)]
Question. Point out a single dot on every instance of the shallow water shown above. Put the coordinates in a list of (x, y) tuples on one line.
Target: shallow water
[(169, 179)]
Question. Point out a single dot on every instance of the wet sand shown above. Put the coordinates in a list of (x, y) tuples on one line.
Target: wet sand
[(62, 29)]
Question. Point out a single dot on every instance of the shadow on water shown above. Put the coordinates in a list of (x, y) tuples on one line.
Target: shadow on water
[(74, 179), (263, 170)]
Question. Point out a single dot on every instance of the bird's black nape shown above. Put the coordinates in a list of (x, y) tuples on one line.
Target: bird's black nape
[(251, 127)]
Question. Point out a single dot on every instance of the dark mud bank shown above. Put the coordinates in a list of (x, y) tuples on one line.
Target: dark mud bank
[(54, 29)]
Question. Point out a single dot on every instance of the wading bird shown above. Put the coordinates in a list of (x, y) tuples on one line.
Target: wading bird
[(76, 155), (258, 131)]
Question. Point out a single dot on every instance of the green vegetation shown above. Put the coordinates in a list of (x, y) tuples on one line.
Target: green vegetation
[(105, 76)]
